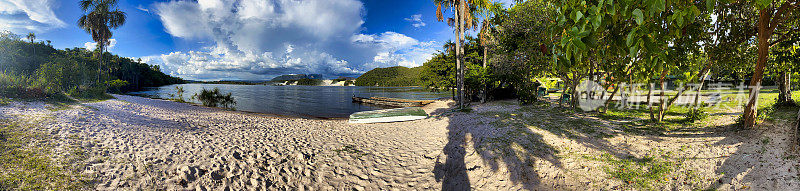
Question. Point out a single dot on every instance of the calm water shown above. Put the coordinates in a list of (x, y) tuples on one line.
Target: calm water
[(301, 101)]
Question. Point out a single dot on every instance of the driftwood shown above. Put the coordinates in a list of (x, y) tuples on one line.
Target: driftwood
[(394, 102)]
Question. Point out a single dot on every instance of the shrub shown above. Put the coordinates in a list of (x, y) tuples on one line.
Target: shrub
[(89, 93), (527, 93), (213, 98), (695, 115), (115, 85)]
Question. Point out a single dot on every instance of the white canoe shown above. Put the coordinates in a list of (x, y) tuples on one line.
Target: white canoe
[(388, 115)]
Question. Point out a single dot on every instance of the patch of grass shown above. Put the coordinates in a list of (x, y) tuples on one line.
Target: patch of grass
[(644, 173), (695, 115), (556, 121), (26, 165), (4, 101)]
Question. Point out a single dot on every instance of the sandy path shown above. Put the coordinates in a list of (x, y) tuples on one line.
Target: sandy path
[(141, 143)]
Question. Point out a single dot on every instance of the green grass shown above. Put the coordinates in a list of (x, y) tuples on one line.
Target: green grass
[(26, 165), (678, 117), (643, 173), (4, 101)]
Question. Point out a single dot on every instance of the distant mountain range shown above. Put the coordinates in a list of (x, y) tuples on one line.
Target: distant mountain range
[(297, 77)]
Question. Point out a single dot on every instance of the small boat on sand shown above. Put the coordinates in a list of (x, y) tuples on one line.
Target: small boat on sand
[(388, 115), (394, 102)]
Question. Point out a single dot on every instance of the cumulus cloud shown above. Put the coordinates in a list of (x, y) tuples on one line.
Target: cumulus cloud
[(258, 39), (416, 20), (21, 16), (395, 49), (93, 45)]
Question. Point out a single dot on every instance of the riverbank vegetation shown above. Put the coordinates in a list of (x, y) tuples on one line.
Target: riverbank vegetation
[(31, 69)]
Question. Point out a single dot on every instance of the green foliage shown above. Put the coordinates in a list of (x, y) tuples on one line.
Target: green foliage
[(439, 72), (641, 173), (115, 85), (694, 115), (89, 93), (25, 73), (213, 98), (392, 76), (309, 82)]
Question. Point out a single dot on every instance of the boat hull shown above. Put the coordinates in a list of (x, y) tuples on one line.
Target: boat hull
[(388, 115)]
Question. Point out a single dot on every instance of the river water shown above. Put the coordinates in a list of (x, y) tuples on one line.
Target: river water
[(298, 101)]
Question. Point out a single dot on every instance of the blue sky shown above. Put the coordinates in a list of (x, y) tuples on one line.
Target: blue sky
[(249, 39)]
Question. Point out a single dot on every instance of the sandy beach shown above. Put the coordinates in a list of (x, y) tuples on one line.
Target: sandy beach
[(140, 143)]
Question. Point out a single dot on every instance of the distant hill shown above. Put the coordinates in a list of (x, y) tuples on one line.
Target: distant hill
[(391, 76), (297, 77)]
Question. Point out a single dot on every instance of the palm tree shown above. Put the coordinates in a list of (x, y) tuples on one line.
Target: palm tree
[(101, 17), (487, 27), (463, 14), (31, 37)]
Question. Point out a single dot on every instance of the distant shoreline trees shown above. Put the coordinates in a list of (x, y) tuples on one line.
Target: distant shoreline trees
[(70, 71)]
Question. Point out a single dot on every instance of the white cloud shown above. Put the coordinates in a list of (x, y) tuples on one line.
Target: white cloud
[(93, 45), (21, 16), (142, 8), (395, 49), (416, 20), (257, 39)]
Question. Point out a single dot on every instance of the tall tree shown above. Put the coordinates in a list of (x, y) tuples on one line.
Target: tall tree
[(772, 15), (101, 16), (31, 37), (463, 15), (486, 38), (784, 60)]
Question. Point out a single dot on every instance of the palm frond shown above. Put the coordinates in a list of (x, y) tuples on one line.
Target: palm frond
[(116, 19), (85, 4)]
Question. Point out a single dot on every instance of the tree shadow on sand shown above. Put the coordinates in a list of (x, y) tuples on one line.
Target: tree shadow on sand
[(510, 139)]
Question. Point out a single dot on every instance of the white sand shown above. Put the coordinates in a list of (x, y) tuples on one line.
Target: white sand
[(155, 144)]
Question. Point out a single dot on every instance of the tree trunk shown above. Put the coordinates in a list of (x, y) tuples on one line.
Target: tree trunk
[(662, 102), (671, 101), (650, 100), (485, 86), (459, 80), (100, 67), (703, 76), (755, 83), (785, 88), (608, 101)]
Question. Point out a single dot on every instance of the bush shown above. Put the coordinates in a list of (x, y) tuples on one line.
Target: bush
[(89, 93), (527, 93), (763, 113), (115, 85), (213, 98), (696, 115)]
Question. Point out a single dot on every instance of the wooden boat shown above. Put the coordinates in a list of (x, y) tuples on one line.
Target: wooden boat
[(388, 115), (394, 102)]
